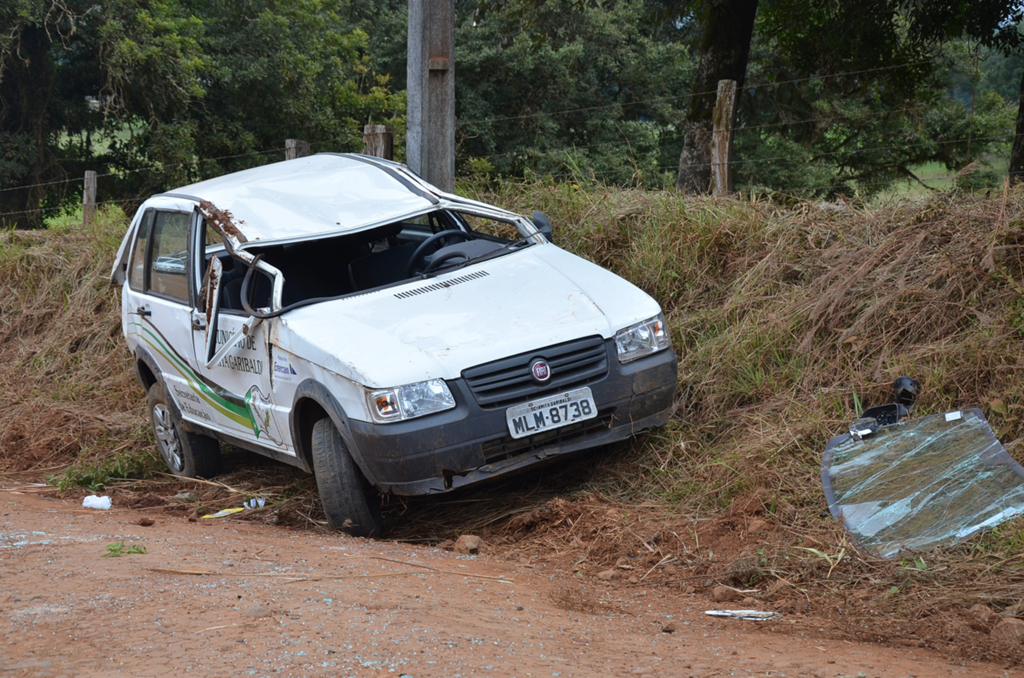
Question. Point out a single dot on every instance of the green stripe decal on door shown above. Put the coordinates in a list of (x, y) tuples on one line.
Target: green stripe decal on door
[(239, 414)]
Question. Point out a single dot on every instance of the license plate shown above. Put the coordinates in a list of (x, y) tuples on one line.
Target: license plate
[(550, 413)]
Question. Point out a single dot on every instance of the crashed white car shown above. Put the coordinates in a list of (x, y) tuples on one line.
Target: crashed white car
[(339, 314)]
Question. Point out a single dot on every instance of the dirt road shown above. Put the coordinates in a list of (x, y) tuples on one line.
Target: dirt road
[(295, 603)]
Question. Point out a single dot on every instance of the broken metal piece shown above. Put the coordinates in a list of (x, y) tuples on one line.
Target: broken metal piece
[(749, 615), (863, 427)]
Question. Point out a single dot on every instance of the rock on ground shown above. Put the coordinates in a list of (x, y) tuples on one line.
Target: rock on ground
[(1009, 633), (982, 618), (468, 544), (724, 594)]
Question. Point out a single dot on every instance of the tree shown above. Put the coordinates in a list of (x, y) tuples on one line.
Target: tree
[(157, 93), (60, 63), (724, 51), (553, 88), (848, 35)]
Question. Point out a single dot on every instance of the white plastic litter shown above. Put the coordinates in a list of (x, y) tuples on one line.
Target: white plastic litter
[(95, 502), (749, 615), (255, 503)]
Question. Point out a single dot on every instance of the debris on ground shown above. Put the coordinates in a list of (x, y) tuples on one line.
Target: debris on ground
[(922, 483), (223, 513), (749, 615), (96, 502), (901, 485)]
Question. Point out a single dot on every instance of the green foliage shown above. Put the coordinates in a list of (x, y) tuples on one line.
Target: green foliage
[(95, 474), (841, 98), (118, 548), (810, 133), (154, 93)]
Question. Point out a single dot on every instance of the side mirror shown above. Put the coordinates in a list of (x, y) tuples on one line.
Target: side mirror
[(543, 224), (905, 390), (213, 281)]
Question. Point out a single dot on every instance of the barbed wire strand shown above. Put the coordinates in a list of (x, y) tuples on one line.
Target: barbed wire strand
[(690, 95), (163, 166), (736, 130), (160, 167), (803, 157)]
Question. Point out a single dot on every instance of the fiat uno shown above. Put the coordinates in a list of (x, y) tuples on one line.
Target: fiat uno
[(339, 314)]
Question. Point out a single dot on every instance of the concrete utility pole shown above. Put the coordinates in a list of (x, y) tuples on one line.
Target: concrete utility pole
[(430, 137)]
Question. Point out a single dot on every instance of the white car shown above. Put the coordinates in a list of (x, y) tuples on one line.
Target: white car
[(339, 314)]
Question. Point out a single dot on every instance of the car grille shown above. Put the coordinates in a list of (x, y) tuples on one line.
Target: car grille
[(506, 381), (509, 447)]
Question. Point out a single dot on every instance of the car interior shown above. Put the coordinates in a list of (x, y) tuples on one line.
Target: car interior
[(356, 262)]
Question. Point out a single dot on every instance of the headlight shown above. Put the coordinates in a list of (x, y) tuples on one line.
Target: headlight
[(410, 401), (642, 339)]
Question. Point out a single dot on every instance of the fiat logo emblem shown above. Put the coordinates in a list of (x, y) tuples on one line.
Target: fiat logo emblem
[(540, 370)]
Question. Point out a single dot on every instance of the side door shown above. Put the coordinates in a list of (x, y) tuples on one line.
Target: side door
[(240, 380), (157, 308)]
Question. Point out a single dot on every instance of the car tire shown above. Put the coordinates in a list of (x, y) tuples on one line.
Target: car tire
[(351, 504), (187, 454)]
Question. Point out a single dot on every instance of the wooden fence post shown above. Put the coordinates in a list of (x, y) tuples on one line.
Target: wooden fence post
[(378, 141), (295, 148), (89, 198), (721, 140)]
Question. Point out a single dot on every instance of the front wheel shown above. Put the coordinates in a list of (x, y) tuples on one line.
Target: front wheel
[(186, 454), (350, 503)]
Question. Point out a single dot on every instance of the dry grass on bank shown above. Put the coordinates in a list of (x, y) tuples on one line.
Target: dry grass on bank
[(784, 318), (68, 391)]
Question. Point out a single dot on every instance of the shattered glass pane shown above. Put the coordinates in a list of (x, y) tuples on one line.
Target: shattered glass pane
[(922, 483)]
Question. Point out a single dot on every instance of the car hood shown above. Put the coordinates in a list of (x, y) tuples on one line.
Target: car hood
[(438, 327)]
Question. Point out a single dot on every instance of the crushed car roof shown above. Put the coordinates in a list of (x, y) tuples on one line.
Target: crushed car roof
[(317, 195)]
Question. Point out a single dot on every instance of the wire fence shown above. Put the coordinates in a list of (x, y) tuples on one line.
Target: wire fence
[(539, 150)]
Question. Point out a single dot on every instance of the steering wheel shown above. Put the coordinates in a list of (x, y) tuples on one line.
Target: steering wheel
[(421, 251), (447, 256)]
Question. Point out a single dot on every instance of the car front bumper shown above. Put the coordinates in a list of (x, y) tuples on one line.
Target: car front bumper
[(470, 444)]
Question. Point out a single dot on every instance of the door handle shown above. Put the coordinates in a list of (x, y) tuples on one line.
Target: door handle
[(143, 311)]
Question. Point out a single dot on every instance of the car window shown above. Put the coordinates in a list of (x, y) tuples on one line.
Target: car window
[(497, 229), (169, 255), (212, 240), (423, 226), (137, 268)]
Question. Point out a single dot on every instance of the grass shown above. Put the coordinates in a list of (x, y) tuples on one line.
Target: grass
[(118, 549), (94, 473), (68, 391)]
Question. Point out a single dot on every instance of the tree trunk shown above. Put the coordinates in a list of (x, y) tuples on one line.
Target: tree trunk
[(1017, 150), (26, 90), (723, 56)]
